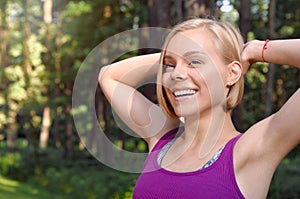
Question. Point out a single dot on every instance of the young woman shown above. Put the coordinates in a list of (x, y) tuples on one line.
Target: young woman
[(200, 79)]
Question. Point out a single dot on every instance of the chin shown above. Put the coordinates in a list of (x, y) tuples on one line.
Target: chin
[(192, 112), (186, 113)]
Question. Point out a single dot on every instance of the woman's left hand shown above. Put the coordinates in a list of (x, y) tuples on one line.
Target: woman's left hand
[(251, 53)]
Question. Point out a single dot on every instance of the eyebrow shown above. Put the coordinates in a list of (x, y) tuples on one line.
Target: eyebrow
[(189, 53)]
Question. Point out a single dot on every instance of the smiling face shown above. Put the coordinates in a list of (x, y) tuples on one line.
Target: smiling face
[(205, 47), (194, 75)]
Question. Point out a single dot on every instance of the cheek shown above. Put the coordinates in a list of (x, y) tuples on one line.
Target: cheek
[(211, 85), (166, 80), (166, 83)]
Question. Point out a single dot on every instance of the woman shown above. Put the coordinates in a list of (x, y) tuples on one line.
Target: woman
[(200, 79)]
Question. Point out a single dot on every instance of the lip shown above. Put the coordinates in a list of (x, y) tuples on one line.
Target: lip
[(175, 89), (187, 93)]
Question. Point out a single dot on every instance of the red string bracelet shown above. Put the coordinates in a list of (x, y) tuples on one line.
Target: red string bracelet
[(263, 50)]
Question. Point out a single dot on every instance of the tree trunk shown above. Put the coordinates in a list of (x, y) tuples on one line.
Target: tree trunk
[(44, 136), (46, 121), (47, 11), (4, 58), (180, 11), (159, 16), (4, 33), (159, 13), (36, 155), (202, 8), (107, 114), (12, 134), (195, 8), (271, 71), (26, 52), (55, 129), (92, 141), (68, 130), (57, 92), (100, 108), (244, 25), (244, 20)]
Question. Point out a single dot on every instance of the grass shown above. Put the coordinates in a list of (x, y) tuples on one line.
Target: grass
[(80, 176), (19, 190)]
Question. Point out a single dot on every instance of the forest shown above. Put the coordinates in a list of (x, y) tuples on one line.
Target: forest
[(44, 44)]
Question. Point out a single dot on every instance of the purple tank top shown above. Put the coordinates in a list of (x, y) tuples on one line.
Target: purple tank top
[(216, 181)]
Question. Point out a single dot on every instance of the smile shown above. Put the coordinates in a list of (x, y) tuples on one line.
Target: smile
[(182, 93)]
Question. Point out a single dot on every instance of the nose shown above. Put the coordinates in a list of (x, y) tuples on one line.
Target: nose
[(179, 73)]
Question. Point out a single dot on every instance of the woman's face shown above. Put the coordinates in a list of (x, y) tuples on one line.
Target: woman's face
[(193, 73)]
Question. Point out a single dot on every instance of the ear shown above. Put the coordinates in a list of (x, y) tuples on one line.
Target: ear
[(235, 70)]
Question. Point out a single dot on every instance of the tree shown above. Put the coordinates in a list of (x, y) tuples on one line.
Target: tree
[(4, 62), (46, 118), (22, 74), (195, 8), (202, 8), (244, 26), (159, 15), (271, 71)]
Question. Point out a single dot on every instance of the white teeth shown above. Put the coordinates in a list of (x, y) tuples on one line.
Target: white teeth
[(184, 92)]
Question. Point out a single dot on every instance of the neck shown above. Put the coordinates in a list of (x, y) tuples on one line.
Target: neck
[(213, 128)]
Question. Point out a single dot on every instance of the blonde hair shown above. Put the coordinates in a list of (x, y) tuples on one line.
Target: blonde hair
[(229, 43)]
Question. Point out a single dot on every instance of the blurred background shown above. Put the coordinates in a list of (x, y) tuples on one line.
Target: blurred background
[(42, 46)]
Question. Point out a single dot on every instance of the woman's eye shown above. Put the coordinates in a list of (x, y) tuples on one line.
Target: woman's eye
[(168, 66), (195, 62)]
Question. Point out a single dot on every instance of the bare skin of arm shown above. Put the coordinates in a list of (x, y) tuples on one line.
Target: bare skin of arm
[(119, 80), (258, 153)]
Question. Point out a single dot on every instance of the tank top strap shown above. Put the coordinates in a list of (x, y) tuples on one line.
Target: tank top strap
[(227, 154), (231, 143), (149, 164)]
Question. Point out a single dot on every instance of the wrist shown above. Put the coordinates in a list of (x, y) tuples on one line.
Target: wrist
[(260, 51), (252, 51), (264, 49)]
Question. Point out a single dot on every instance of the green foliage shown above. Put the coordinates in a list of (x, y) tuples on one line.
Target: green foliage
[(286, 180), (76, 9), (11, 162), (255, 81), (79, 177), (16, 91), (87, 182), (24, 77)]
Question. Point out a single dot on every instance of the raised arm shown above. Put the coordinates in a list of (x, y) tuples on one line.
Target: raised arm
[(118, 81), (275, 51), (265, 144), (283, 126), (131, 71)]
